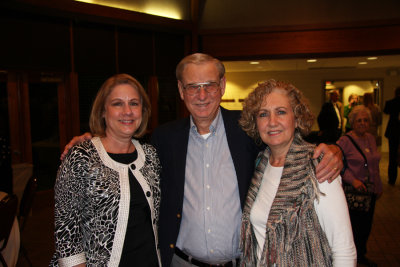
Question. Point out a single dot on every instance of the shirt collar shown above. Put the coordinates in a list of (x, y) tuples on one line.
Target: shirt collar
[(213, 127)]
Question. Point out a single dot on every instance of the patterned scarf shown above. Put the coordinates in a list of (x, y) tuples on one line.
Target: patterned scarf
[(294, 236)]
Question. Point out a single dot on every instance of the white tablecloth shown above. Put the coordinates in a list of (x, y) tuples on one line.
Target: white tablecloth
[(21, 174), (10, 253)]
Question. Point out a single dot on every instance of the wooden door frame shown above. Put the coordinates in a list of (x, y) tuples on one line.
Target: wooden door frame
[(19, 110)]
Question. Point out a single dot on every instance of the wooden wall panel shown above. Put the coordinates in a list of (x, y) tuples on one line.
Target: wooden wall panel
[(169, 50), (344, 41), (32, 42), (94, 48), (135, 52)]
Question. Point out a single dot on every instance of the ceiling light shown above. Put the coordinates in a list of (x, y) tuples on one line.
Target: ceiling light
[(362, 63), (372, 58), (159, 8), (311, 60), (254, 63)]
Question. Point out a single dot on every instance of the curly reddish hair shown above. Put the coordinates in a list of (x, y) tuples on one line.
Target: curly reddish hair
[(251, 106)]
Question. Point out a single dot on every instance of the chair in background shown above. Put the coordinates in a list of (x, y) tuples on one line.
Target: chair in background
[(25, 209), (8, 211)]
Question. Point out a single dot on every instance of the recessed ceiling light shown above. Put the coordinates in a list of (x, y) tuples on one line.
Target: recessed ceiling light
[(311, 60), (372, 58), (363, 63), (254, 63)]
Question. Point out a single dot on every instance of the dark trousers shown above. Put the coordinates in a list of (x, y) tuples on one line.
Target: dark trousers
[(393, 150), (361, 223)]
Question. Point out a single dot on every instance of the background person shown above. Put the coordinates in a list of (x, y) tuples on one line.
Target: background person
[(392, 133), (376, 116), (357, 175), (330, 119), (353, 101), (107, 191), (289, 219)]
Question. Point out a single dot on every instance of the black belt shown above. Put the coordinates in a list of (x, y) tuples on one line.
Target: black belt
[(193, 261)]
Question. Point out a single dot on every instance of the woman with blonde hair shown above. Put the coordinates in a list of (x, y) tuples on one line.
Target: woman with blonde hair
[(289, 219)]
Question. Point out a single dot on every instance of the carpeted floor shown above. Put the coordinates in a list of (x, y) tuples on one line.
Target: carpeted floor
[(383, 245)]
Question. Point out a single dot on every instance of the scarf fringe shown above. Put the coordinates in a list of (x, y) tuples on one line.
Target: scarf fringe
[(294, 236)]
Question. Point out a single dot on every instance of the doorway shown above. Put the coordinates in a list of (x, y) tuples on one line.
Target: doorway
[(356, 89), (34, 115)]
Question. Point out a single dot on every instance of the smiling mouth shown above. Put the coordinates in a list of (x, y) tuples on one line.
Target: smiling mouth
[(201, 105), (126, 121), (273, 132)]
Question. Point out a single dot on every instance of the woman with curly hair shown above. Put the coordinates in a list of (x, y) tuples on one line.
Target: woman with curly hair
[(289, 219)]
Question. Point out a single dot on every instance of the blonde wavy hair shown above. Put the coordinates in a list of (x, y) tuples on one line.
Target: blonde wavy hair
[(251, 106)]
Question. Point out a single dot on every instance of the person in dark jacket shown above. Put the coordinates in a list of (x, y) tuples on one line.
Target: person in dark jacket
[(392, 133)]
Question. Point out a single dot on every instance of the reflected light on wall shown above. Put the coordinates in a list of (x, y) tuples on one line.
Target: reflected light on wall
[(157, 9)]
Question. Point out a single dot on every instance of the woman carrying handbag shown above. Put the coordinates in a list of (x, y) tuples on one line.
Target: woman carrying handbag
[(362, 180)]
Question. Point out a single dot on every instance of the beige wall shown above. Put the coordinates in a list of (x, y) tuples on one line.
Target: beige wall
[(239, 84), (262, 13)]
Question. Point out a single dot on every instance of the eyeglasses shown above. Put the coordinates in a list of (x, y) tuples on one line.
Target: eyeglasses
[(194, 88)]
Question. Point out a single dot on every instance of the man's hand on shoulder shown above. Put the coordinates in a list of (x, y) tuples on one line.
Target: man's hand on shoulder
[(331, 164), (76, 140)]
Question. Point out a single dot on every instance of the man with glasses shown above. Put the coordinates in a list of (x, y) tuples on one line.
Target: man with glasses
[(207, 164)]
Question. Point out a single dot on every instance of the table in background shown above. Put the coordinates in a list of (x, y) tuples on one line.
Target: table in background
[(11, 251)]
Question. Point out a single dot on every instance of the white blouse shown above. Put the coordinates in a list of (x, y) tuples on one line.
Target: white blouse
[(331, 210)]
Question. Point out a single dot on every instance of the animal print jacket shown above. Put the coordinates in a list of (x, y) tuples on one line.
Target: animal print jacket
[(92, 203)]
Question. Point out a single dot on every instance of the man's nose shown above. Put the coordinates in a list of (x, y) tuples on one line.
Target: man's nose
[(202, 92)]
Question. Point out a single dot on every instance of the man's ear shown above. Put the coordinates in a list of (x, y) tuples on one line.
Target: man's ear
[(180, 87), (222, 85)]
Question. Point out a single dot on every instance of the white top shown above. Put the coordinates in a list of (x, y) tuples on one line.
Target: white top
[(331, 210)]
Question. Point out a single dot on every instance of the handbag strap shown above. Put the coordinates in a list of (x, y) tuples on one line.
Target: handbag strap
[(360, 150)]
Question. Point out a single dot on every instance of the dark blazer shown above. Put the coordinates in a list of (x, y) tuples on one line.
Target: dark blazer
[(171, 142), (328, 123), (392, 108)]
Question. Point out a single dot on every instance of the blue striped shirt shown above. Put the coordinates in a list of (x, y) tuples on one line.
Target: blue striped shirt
[(211, 216)]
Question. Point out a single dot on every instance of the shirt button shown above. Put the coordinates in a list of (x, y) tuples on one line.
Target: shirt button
[(207, 165), (133, 166), (209, 230), (208, 208), (148, 194), (208, 186), (171, 245), (211, 250)]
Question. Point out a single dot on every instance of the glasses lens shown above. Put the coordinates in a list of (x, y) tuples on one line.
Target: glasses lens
[(211, 87), (192, 89)]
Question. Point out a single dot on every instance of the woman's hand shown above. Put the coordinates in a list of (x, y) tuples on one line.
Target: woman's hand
[(358, 185), (76, 140), (331, 164)]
